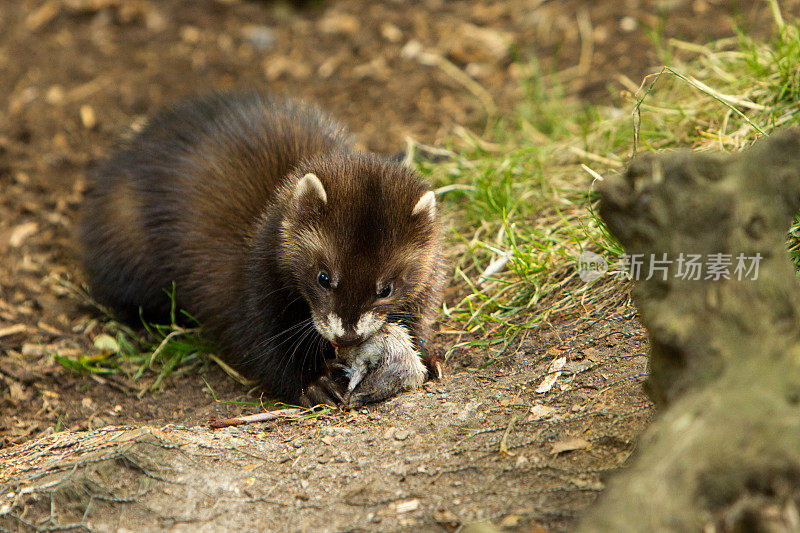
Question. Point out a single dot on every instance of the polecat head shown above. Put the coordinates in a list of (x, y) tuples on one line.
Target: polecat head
[(359, 236)]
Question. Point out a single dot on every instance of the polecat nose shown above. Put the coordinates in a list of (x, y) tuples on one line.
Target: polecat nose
[(348, 339)]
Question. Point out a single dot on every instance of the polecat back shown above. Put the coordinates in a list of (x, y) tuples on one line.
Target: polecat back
[(280, 238)]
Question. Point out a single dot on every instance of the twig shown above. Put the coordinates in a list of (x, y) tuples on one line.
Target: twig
[(260, 417)]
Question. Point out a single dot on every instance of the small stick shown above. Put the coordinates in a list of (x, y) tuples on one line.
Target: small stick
[(250, 419)]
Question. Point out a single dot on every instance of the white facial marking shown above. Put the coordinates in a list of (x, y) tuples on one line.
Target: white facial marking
[(310, 184), (322, 327), (368, 324), (335, 325), (427, 203)]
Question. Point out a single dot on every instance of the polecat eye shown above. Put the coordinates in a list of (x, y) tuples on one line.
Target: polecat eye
[(323, 280), (386, 290)]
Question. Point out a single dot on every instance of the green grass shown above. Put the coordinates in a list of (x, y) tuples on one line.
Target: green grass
[(148, 356), (523, 193)]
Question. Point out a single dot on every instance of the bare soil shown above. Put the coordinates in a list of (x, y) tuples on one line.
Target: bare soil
[(78, 73)]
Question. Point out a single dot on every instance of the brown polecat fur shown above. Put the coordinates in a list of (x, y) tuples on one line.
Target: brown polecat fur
[(281, 238)]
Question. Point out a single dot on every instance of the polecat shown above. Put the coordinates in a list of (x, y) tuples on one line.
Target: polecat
[(281, 239)]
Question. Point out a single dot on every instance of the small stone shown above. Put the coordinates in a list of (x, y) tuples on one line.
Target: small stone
[(333, 431), (88, 118), (32, 350), (190, 34), (539, 412), (391, 33), (407, 506), (411, 50), (155, 21), (628, 24), (342, 23), (54, 94), (447, 517), (261, 37), (401, 434)]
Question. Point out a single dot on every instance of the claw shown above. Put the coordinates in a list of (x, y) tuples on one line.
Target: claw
[(323, 391), (435, 367)]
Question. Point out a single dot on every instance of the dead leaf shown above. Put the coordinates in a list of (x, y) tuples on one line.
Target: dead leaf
[(22, 232), (569, 444), (19, 394), (12, 330), (553, 373), (106, 343), (539, 411)]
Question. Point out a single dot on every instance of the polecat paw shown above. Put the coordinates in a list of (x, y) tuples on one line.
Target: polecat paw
[(435, 367), (322, 391)]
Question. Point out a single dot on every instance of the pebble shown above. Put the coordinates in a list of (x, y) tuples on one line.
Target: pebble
[(341, 23), (88, 118), (261, 37), (401, 434), (391, 33), (334, 431), (628, 24), (407, 506), (190, 34), (54, 95), (32, 350)]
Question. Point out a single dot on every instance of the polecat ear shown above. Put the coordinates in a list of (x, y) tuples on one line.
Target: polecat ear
[(426, 204), (309, 191)]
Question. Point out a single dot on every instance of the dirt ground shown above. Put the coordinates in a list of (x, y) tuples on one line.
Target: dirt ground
[(479, 445)]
